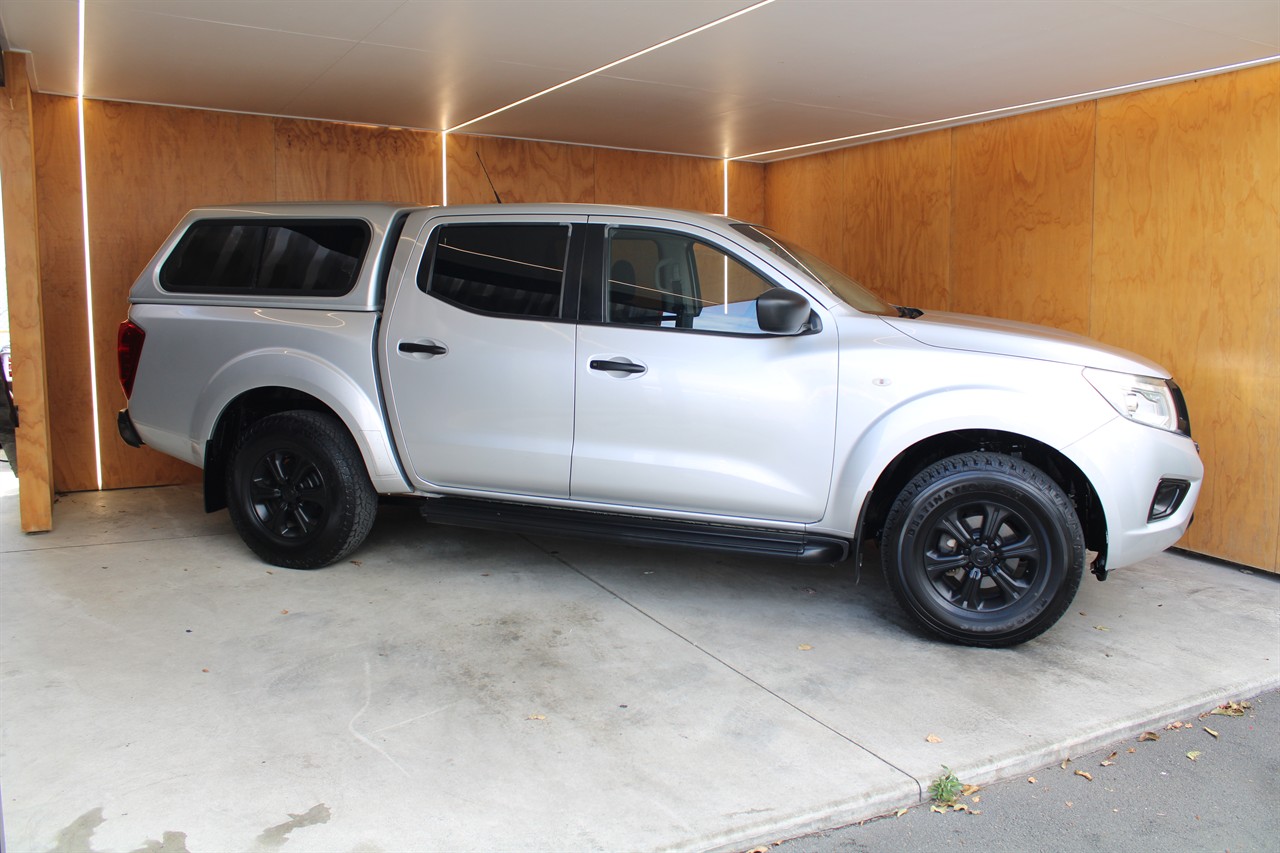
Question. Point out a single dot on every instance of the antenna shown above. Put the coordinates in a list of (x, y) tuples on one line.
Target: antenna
[(487, 178)]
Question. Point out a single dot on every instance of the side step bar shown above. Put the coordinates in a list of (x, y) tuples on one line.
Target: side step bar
[(633, 530)]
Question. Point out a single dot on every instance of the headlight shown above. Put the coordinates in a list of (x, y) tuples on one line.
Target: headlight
[(1145, 399)]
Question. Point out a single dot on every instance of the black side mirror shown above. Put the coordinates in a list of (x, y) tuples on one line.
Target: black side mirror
[(782, 312)]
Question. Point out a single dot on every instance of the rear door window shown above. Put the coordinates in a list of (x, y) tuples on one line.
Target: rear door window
[(268, 257), (507, 269)]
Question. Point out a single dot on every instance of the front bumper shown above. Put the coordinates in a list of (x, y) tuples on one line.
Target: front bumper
[(1127, 463)]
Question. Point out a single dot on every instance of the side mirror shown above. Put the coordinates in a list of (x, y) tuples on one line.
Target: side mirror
[(782, 312)]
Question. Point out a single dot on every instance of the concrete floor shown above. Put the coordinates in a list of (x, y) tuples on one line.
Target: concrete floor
[(450, 689)]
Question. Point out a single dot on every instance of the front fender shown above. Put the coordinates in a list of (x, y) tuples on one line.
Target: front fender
[(1057, 419)]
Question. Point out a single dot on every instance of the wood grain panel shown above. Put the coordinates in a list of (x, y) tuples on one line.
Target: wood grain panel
[(897, 202), (804, 200), (26, 321), (317, 160), (57, 138), (1187, 272), (1022, 217), (147, 166), (662, 180), (747, 191), (522, 171)]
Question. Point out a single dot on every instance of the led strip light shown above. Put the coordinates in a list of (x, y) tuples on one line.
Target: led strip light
[(88, 276)]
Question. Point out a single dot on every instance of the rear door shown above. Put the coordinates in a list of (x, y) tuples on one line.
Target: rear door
[(478, 354), (683, 403)]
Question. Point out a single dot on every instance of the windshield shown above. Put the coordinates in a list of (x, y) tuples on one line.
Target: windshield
[(837, 282)]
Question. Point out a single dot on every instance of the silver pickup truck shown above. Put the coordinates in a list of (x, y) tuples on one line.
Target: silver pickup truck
[(653, 376)]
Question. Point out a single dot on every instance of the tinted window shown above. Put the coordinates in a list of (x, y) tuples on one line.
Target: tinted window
[(499, 269), (659, 278), (238, 256)]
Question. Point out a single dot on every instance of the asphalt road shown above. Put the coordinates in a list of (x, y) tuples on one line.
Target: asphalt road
[(1151, 796)]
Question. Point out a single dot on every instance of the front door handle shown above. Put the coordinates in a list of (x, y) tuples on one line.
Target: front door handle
[(619, 366), (429, 348)]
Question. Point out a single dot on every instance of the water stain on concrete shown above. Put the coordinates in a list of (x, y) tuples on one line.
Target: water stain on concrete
[(77, 836), (171, 842), (275, 837)]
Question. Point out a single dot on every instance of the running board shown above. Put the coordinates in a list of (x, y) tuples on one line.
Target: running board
[(635, 530)]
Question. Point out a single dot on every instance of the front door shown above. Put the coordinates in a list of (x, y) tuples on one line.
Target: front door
[(683, 403)]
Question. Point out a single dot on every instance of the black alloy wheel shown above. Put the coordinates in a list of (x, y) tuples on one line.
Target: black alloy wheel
[(983, 549), (298, 492)]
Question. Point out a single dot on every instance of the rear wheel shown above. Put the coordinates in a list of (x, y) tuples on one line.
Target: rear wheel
[(297, 490), (983, 549)]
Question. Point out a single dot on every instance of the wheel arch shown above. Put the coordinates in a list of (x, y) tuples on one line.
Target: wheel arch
[(1058, 466), (236, 397)]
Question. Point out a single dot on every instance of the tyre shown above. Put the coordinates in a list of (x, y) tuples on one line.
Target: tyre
[(983, 549), (298, 492)]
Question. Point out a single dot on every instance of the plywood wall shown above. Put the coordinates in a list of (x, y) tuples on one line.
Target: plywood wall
[(521, 171), (1150, 221), (1187, 270), (26, 321), (148, 165)]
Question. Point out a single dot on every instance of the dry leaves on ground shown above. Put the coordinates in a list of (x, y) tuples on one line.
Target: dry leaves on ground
[(1229, 709)]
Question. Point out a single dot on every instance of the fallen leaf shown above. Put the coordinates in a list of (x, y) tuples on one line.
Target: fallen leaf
[(1085, 775), (537, 716), (204, 670), (758, 850), (1210, 731), (1194, 754), (966, 790), (805, 647), (1148, 736), (977, 799), (1031, 779), (1064, 763), (1173, 727), (899, 812), (1101, 628), (933, 739), (1106, 764), (357, 562), (284, 612), (1132, 750), (938, 809), (1231, 709), (1070, 804)]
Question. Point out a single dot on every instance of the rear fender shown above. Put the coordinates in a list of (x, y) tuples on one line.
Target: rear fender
[(311, 375)]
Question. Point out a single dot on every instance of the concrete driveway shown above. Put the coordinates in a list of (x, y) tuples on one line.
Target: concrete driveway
[(451, 689)]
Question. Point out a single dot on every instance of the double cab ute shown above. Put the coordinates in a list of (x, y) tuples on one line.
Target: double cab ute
[(653, 376)]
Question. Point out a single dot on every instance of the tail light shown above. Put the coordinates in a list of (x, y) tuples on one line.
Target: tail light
[(129, 353)]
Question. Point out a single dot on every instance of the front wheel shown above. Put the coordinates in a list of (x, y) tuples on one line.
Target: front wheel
[(983, 549), (298, 492)]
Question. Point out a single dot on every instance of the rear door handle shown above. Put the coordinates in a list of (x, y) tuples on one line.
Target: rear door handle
[(428, 348), (619, 366)]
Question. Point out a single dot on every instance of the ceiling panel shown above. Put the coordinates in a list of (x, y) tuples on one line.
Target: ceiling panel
[(782, 74)]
